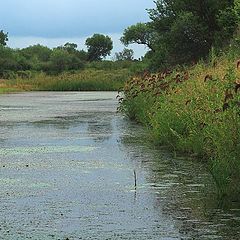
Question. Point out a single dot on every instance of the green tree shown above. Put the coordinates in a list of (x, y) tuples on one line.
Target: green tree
[(41, 53), (69, 47), (82, 55), (36, 56), (99, 46), (3, 38), (188, 30), (140, 33), (182, 31), (125, 54), (59, 60), (8, 60)]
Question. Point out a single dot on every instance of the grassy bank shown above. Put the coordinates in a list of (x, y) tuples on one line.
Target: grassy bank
[(196, 111), (86, 80), (6, 87)]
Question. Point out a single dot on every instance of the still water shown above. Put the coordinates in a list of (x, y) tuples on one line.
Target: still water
[(66, 172)]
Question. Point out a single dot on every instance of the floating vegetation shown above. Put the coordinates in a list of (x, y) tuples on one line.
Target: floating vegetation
[(44, 149)]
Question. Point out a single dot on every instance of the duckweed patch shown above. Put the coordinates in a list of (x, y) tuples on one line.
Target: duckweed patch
[(43, 150)]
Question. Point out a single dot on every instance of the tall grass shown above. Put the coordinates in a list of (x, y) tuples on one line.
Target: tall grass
[(194, 110), (87, 80), (6, 87)]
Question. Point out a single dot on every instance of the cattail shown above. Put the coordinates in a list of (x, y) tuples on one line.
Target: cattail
[(164, 86), (228, 95), (237, 86), (186, 75), (208, 77), (238, 64), (145, 74), (225, 106), (178, 78), (202, 125), (218, 110)]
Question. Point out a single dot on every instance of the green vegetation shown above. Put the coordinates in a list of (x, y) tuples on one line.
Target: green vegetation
[(192, 101), (183, 32), (65, 68), (39, 58), (3, 38), (99, 46), (96, 76), (125, 55), (196, 111), (86, 80)]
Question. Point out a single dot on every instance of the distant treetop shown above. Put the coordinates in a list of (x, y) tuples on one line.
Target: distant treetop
[(3, 38)]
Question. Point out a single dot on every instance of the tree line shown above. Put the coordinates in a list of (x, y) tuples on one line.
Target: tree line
[(53, 61), (179, 32)]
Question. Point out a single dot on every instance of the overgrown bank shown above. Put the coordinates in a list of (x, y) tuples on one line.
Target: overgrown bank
[(194, 110), (86, 80)]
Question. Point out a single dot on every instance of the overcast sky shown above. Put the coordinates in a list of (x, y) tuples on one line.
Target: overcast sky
[(54, 22)]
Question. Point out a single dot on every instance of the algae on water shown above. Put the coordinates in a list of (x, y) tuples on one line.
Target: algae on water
[(44, 149)]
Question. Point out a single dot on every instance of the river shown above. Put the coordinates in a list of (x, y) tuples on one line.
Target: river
[(67, 162)]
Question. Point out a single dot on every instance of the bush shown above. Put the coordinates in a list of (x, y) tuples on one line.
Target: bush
[(9, 75), (24, 74)]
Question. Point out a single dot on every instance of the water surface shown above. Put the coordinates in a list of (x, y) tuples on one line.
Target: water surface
[(66, 172)]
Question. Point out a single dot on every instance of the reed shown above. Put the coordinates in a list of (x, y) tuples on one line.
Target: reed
[(87, 80), (194, 110)]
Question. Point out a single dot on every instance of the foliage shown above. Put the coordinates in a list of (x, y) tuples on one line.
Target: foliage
[(125, 54), (61, 60), (41, 58), (196, 111), (38, 52), (140, 33), (3, 38), (237, 9), (8, 60), (70, 47), (99, 46), (180, 32)]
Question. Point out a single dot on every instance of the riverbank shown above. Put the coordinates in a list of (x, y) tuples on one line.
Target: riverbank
[(196, 111), (86, 80)]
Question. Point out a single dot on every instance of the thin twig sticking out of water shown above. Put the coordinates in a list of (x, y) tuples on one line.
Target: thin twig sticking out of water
[(135, 179)]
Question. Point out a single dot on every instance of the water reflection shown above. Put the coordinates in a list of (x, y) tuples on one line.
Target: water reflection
[(98, 126)]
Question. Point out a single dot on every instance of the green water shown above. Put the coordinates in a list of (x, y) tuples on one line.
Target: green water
[(66, 171)]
